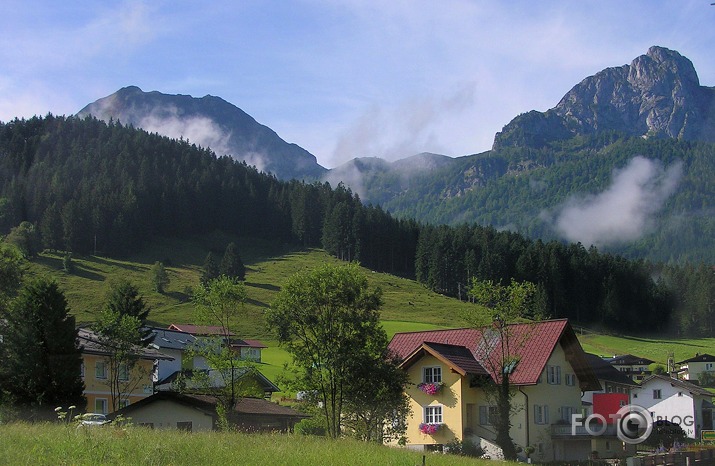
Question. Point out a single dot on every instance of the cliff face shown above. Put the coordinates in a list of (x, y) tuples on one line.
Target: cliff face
[(657, 95)]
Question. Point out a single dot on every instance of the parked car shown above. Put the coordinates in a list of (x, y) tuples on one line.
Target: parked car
[(94, 419)]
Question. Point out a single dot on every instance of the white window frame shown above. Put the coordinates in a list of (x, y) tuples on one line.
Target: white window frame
[(102, 375), (432, 374), (433, 414), (103, 404)]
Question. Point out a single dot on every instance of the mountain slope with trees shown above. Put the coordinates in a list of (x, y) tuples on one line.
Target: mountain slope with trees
[(544, 162), (87, 187)]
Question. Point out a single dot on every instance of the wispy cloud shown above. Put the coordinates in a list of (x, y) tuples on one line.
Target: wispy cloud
[(395, 132), (199, 130), (624, 211)]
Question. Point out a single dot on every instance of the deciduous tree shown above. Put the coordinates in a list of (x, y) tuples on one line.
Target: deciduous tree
[(159, 277), (220, 303), (500, 346), (328, 319)]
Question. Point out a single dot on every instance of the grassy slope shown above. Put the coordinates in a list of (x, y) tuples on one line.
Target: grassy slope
[(408, 306)]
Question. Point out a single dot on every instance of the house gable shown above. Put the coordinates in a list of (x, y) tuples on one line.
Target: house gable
[(535, 342)]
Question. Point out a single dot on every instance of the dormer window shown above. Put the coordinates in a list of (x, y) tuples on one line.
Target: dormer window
[(432, 374)]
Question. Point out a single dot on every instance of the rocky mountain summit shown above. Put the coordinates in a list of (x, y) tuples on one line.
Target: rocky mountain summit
[(209, 122), (657, 96)]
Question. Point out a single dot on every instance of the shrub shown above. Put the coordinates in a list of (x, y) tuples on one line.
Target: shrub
[(311, 426), (464, 448)]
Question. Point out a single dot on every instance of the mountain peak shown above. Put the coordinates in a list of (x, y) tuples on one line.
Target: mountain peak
[(657, 95), (210, 122)]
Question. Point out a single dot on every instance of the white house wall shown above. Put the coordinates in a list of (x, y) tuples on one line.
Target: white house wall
[(671, 407)]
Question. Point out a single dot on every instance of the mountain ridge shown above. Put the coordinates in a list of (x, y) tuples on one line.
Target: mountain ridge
[(658, 95), (208, 121)]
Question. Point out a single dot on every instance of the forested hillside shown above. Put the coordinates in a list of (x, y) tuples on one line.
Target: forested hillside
[(524, 189), (89, 187)]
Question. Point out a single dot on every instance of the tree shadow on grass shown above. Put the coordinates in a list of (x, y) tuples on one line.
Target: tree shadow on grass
[(83, 272), (256, 303), (178, 295), (264, 286)]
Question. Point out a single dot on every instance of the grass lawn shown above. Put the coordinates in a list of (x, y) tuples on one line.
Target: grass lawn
[(54, 444), (656, 349)]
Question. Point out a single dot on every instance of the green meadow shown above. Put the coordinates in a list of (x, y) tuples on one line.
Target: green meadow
[(58, 444), (408, 306)]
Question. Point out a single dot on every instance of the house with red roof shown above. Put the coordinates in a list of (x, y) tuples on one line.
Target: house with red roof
[(449, 369)]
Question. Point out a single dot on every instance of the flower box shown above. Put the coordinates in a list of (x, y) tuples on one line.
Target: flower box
[(429, 429), (430, 388)]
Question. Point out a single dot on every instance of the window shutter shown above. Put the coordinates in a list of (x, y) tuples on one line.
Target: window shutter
[(558, 375), (546, 414)]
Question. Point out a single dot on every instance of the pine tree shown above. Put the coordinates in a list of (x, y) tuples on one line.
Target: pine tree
[(41, 354), (211, 270), (124, 300), (231, 264)]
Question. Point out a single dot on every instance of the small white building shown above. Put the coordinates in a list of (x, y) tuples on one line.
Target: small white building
[(175, 344), (633, 366), (676, 401), (690, 369)]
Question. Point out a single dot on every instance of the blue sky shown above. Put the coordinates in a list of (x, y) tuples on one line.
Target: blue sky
[(342, 79)]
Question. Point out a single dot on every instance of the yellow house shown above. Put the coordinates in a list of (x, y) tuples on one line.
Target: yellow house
[(449, 368), (100, 373)]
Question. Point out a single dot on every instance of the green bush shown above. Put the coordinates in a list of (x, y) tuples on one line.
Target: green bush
[(464, 448), (311, 426)]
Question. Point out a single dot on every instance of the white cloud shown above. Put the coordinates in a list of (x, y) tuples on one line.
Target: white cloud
[(624, 211), (198, 130), (396, 132)]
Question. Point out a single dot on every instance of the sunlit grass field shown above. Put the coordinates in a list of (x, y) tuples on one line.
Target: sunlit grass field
[(55, 444), (408, 306)]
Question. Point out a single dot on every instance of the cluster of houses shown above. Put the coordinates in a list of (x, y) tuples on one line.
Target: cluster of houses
[(555, 384), (155, 392), (558, 389)]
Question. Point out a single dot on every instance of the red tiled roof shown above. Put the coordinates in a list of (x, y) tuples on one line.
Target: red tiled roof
[(199, 329), (531, 343), (457, 358), (248, 343)]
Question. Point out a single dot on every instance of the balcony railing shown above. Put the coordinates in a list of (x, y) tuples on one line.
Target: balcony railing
[(566, 430)]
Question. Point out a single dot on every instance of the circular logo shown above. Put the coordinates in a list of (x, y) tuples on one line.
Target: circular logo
[(634, 424)]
